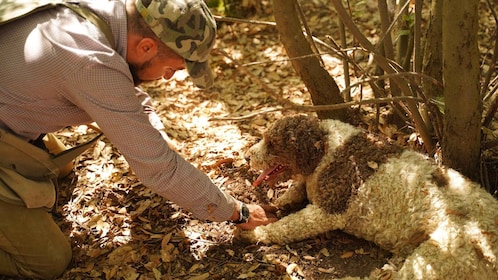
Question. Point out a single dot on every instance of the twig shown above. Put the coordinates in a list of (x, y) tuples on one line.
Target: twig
[(314, 108), (401, 74), (308, 33), (388, 30), (248, 116), (346, 19), (287, 59), (417, 33), (239, 20), (361, 102), (491, 112), (345, 64), (486, 145), (495, 53)]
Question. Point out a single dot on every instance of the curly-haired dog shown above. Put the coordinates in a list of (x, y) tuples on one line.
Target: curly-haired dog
[(444, 225)]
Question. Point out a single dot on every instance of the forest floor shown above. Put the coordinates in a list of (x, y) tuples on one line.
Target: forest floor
[(119, 229)]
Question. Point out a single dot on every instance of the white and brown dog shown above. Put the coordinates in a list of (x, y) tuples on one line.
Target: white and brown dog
[(444, 225)]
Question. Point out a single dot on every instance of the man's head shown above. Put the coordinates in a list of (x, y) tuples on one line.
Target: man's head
[(185, 27)]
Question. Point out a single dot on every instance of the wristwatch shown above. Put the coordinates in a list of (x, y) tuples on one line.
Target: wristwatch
[(243, 214)]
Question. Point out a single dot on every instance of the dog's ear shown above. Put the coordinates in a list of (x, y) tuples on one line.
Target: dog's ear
[(299, 140), (310, 148)]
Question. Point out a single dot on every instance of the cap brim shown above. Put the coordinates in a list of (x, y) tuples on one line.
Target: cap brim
[(200, 73)]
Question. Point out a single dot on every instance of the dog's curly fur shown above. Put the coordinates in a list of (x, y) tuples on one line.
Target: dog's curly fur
[(442, 224)]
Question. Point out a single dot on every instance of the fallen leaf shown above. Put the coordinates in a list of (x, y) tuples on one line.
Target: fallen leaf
[(119, 255), (246, 275), (294, 268), (373, 165), (325, 252), (200, 277), (326, 270), (347, 255), (309, 258), (168, 250)]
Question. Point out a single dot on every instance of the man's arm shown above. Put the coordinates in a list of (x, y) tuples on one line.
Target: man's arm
[(154, 119)]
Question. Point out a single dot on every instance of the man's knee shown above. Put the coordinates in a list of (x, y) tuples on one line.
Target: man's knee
[(31, 243), (47, 264), (57, 261)]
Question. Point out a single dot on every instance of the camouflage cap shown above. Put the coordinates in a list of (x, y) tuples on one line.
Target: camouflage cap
[(188, 28)]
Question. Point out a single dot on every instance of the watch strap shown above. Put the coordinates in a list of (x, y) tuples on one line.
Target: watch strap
[(243, 214)]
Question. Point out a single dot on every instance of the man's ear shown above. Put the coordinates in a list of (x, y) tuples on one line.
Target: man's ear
[(146, 48)]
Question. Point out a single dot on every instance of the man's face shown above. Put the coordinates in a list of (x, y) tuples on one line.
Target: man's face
[(160, 66)]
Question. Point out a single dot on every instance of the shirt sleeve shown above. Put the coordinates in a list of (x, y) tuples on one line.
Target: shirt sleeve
[(126, 117)]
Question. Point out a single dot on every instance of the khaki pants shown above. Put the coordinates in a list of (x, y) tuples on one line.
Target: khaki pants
[(31, 244)]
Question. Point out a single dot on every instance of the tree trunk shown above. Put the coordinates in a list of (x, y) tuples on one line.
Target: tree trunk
[(432, 64), (320, 84), (463, 106), (433, 56)]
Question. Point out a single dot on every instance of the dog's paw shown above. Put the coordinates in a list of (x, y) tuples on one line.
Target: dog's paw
[(257, 235), (295, 197)]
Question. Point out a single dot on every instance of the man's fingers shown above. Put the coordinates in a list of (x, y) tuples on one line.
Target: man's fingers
[(269, 208)]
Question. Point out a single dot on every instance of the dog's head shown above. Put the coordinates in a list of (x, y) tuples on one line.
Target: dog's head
[(296, 144)]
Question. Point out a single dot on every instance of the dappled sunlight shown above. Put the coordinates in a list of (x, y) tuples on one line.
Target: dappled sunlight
[(462, 233), (199, 123), (446, 225), (421, 268), (444, 235), (480, 238), (457, 183), (234, 54), (202, 237)]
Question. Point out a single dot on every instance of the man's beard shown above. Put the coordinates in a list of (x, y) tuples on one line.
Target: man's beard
[(135, 70)]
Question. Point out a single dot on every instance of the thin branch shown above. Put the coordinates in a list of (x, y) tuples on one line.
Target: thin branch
[(491, 112), (351, 26), (417, 33), (239, 20), (489, 144), (399, 74), (308, 33), (386, 100), (493, 59), (247, 116), (385, 23), (287, 59), (345, 64), (393, 23), (314, 108)]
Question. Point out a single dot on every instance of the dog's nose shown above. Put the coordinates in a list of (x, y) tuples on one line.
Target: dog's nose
[(247, 158)]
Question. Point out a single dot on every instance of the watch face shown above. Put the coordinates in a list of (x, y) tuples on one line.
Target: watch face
[(245, 213)]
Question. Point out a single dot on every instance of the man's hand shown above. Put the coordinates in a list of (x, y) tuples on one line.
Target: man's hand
[(259, 215)]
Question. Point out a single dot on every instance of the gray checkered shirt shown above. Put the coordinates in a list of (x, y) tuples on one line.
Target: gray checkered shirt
[(58, 70)]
